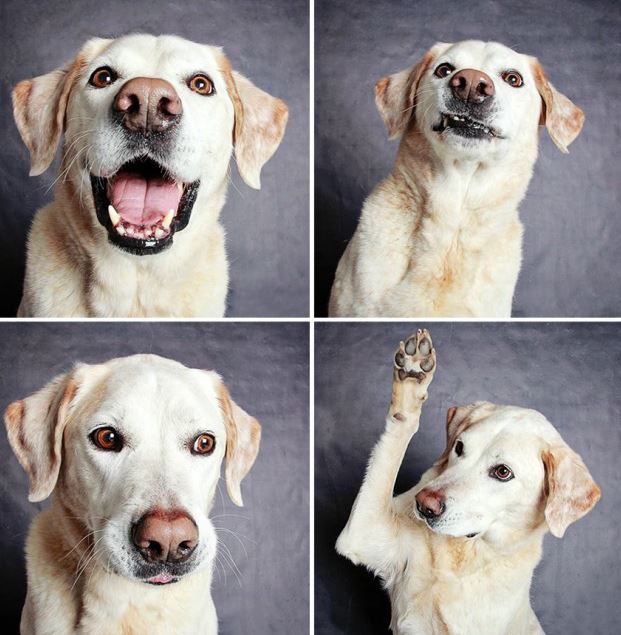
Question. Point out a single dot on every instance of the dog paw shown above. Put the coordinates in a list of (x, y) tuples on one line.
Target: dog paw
[(416, 359), (414, 366)]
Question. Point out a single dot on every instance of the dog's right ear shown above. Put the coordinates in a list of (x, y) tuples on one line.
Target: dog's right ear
[(39, 107), (395, 95), (571, 490), (458, 419), (35, 427), (243, 436)]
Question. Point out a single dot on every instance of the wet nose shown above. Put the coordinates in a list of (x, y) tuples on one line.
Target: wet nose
[(471, 85), (430, 504), (165, 536), (147, 104)]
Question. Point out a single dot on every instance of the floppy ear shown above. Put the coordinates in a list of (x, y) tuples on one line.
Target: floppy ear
[(40, 104), (35, 427), (561, 117), (260, 122), (395, 95), (456, 422), (243, 435), (571, 490), (458, 419)]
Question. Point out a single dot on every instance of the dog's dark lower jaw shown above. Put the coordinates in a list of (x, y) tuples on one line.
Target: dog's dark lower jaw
[(142, 246), (465, 126)]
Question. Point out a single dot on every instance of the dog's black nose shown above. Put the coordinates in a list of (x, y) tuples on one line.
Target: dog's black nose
[(430, 504), (147, 104), (472, 86), (165, 536)]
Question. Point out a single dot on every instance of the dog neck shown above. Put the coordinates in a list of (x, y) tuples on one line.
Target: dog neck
[(462, 557), (456, 192)]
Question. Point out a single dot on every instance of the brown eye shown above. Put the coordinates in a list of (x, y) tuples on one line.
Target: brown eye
[(204, 444), (501, 473), (513, 78), (107, 439), (103, 77), (444, 70), (201, 84)]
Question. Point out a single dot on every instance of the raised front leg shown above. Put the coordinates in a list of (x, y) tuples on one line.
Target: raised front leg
[(372, 534)]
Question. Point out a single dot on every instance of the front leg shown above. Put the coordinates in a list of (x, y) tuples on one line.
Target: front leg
[(372, 534)]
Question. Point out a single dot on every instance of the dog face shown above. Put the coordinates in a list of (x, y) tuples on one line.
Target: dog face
[(133, 448), (476, 100), (504, 471), (150, 124)]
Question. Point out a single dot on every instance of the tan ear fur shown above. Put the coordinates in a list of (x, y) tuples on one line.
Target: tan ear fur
[(260, 122), (40, 104), (243, 435), (571, 490), (562, 118), (395, 95), (35, 427), (459, 419)]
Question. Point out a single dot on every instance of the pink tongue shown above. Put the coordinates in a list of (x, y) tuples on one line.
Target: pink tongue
[(162, 578), (143, 202)]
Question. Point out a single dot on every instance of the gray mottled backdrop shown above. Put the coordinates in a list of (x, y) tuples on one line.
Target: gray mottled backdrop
[(572, 249), (266, 369), (568, 372), (267, 230)]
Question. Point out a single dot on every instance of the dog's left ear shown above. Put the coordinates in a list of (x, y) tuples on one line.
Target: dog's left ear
[(35, 428), (243, 435), (395, 95), (260, 122), (562, 118), (571, 490), (40, 104)]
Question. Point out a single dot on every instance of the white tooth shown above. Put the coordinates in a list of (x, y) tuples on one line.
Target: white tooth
[(168, 219), (120, 229), (114, 215), (159, 233), (180, 186), (130, 230)]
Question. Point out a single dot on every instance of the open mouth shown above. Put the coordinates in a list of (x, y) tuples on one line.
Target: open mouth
[(465, 127), (142, 206)]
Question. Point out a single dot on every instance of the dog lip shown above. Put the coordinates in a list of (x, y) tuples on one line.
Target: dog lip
[(454, 121)]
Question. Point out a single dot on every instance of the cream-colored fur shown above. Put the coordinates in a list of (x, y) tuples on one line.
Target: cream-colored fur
[(441, 579), (84, 574), (72, 269), (440, 236)]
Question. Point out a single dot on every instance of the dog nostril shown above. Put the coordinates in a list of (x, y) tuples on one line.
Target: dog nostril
[(170, 107), (154, 547)]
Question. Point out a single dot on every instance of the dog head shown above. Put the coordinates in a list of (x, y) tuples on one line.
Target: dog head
[(504, 472), (476, 100), (132, 448), (150, 124)]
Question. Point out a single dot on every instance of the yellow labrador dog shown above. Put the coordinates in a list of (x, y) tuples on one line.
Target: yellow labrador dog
[(130, 451), (149, 124), (457, 551), (441, 235)]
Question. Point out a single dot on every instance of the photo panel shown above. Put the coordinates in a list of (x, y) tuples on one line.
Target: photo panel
[(168, 420), (235, 139), (568, 374), (427, 136)]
